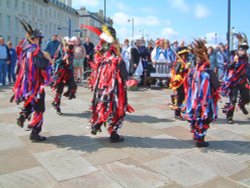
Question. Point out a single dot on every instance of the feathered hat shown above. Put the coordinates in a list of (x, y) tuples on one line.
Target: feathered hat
[(106, 33), (242, 40), (183, 50), (30, 32), (199, 49)]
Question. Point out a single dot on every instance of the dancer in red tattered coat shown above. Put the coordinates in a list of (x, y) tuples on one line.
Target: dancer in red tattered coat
[(109, 104)]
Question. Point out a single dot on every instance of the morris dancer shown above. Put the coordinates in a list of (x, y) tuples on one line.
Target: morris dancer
[(34, 73), (64, 76), (202, 95), (179, 73), (236, 80), (109, 75)]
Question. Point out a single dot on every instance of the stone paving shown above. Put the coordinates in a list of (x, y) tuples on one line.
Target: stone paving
[(157, 152)]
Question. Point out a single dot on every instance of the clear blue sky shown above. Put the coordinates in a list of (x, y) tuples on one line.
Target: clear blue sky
[(174, 19)]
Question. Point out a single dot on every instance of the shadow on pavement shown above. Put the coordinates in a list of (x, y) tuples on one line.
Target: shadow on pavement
[(86, 114), (237, 122), (89, 144), (146, 119)]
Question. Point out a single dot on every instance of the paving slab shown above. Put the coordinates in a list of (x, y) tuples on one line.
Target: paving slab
[(181, 171), (63, 164), (133, 176), (97, 179), (16, 159), (221, 182), (219, 163), (10, 141), (35, 177)]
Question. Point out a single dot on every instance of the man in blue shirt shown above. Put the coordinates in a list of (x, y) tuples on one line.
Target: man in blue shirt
[(52, 47), (4, 61)]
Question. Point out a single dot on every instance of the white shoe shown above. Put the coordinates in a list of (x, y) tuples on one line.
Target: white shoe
[(1, 84)]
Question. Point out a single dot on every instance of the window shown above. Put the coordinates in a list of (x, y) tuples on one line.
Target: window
[(24, 7), (8, 3), (8, 23), (0, 2), (35, 11), (41, 13), (16, 25), (8, 38), (46, 14), (1, 22), (16, 4), (16, 41), (30, 9)]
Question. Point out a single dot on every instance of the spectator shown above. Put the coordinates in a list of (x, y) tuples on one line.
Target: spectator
[(79, 56), (4, 61), (135, 60), (212, 59), (221, 58), (126, 54), (12, 64), (53, 47), (89, 48)]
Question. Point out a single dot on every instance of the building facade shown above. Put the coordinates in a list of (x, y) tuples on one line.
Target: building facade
[(94, 19), (49, 16)]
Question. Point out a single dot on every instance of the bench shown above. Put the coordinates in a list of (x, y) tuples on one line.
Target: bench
[(162, 72)]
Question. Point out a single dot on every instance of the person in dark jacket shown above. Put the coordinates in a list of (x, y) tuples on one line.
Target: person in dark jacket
[(4, 61), (90, 50), (12, 64)]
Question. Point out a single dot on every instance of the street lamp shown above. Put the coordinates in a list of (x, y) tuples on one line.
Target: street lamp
[(215, 38), (133, 27), (104, 11), (228, 24), (142, 32)]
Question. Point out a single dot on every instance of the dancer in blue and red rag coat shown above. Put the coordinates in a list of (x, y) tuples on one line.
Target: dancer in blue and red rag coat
[(202, 95)]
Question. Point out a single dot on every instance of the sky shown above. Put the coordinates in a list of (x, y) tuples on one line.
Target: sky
[(173, 19)]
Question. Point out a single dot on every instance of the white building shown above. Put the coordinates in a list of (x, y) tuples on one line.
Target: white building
[(94, 19), (46, 15)]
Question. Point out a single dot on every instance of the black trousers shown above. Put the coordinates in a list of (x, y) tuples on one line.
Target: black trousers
[(38, 107), (243, 100), (180, 98)]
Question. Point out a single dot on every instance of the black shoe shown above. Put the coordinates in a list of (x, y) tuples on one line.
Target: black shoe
[(72, 96), (201, 144), (114, 137), (58, 111), (230, 121), (35, 137), (94, 130), (244, 110), (66, 94), (20, 121), (54, 104), (179, 118)]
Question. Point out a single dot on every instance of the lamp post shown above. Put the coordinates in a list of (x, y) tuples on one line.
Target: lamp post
[(133, 27), (229, 24), (104, 9), (142, 32), (215, 38), (69, 28)]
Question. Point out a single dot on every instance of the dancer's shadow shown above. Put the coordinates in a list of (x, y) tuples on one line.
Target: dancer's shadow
[(90, 144), (86, 114), (236, 122), (146, 119)]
